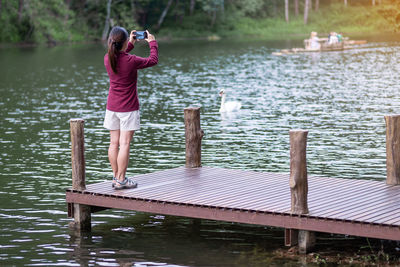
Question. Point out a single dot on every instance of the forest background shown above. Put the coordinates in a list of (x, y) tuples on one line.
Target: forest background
[(61, 21)]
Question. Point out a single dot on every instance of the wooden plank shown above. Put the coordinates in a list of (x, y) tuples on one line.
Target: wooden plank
[(190, 193), (270, 219), (389, 214), (373, 208), (332, 201), (337, 199), (355, 201)]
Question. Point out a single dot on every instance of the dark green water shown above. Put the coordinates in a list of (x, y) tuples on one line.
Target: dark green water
[(340, 97)]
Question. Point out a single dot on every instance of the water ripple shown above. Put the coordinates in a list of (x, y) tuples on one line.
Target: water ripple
[(340, 97)]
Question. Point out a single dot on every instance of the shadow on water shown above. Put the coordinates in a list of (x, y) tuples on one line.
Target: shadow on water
[(160, 239), (156, 240)]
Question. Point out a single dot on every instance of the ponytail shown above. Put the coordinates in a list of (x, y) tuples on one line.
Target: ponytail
[(112, 57), (116, 40)]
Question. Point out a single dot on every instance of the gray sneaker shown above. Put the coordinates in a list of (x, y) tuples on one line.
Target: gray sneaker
[(127, 183)]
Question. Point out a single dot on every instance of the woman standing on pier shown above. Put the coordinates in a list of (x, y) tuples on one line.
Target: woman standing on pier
[(122, 114)]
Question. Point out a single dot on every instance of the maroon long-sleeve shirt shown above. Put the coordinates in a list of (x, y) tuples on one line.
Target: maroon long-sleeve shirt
[(122, 95)]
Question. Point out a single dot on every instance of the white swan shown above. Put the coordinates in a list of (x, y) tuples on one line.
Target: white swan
[(228, 106)]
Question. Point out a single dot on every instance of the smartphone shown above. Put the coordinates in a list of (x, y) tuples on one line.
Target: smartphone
[(141, 35)]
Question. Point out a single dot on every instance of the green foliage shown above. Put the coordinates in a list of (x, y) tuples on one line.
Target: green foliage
[(9, 16), (335, 17), (50, 19), (55, 21), (193, 26), (35, 21), (212, 5), (391, 13), (254, 8)]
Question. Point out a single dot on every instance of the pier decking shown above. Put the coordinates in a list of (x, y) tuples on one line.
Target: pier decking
[(343, 206), (302, 205)]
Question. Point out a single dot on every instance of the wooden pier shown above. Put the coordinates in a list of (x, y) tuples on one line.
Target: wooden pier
[(291, 201)]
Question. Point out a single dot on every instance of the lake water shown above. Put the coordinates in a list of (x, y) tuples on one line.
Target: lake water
[(340, 97)]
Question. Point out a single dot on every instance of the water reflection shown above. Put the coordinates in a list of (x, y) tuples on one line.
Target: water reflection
[(164, 241), (339, 97)]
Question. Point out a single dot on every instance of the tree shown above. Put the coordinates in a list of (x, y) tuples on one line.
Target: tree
[(212, 7), (107, 22), (192, 5), (287, 11), (133, 9), (20, 7), (179, 11), (306, 7), (250, 8), (78, 20), (275, 9), (43, 21), (68, 4), (163, 14)]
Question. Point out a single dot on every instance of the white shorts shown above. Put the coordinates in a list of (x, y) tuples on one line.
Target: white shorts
[(124, 121)]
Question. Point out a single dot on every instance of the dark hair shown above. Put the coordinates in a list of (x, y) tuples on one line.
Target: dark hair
[(116, 40)]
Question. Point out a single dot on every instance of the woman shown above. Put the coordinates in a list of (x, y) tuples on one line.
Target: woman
[(122, 114)]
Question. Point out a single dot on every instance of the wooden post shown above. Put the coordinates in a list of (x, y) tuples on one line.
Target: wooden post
[(78, 154), (291, 237), (298, 171), (306, 241), (193, 136), (82, 216), (299, 185), (392, 149)]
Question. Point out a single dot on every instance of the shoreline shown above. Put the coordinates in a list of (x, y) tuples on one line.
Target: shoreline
[(395, 36)]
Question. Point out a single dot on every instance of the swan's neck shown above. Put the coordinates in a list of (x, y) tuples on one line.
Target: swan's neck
[(222, 101)]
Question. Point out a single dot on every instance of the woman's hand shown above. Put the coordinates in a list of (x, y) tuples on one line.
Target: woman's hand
[(132, 37), (150, 37)]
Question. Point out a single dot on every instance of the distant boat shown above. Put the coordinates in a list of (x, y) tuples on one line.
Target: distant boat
[(355, 42), (325, 47)]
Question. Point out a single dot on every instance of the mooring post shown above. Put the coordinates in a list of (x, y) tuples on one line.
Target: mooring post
[(392, 149), (298, 171), (299, 185), (193, 136), (81, 213)]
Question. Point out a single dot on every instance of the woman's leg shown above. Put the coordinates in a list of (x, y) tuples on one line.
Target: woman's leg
[(123, 155), (113, 150)]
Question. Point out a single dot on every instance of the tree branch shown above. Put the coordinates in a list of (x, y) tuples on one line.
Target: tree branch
[(163, 14), (107, 22)]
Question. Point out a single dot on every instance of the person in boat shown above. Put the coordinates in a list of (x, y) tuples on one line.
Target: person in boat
[(313, 43), (340, 37), (333, 39)]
